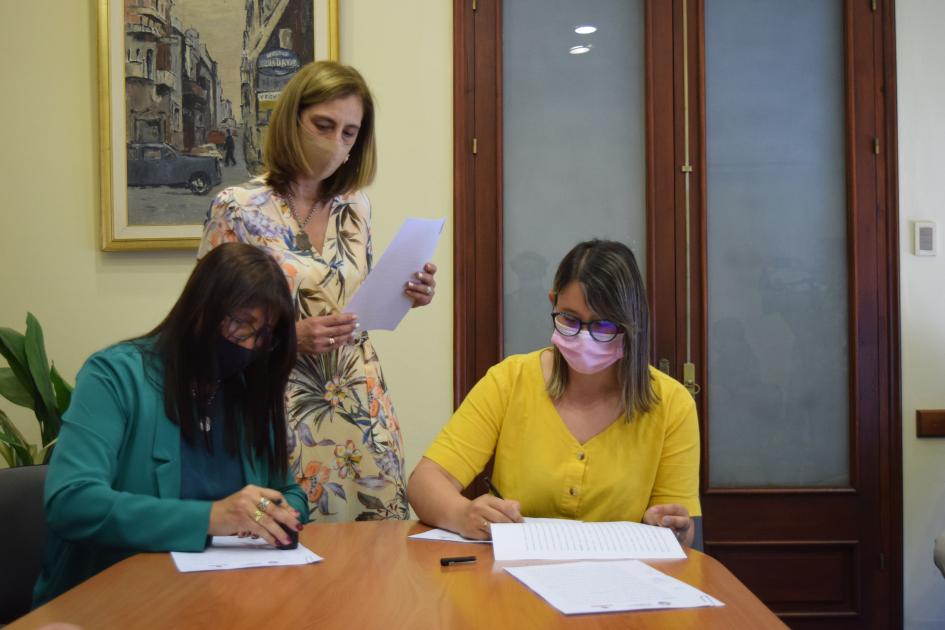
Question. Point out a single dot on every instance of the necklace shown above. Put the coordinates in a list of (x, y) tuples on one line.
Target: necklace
[(308, 217), (205, 423), (301, 239)]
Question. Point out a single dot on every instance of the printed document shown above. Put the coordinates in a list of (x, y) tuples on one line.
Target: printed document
[(594, 587), (232, 552), (380, 302), (576, 540)]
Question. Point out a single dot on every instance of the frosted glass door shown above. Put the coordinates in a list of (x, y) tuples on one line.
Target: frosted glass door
[(778, 356), (573, 146)]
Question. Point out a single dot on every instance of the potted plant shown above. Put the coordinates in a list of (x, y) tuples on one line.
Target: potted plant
[(30, 381)]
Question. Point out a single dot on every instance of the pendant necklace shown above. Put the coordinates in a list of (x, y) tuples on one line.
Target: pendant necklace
[(301, 238), (206, 422)]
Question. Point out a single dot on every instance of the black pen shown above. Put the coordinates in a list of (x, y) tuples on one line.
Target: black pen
[(492, 488), (446, 562)]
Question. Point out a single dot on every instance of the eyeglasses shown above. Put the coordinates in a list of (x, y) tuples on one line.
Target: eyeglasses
[(238, 331), (600, 329)]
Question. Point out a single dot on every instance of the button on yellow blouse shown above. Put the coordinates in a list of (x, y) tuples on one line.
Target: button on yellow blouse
[(615, 475)]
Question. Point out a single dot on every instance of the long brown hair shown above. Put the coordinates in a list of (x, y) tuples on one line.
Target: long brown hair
[(613, 288), (319, 82), (229, 278)]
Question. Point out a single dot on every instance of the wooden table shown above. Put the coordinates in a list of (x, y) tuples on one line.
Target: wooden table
[(372, 577)]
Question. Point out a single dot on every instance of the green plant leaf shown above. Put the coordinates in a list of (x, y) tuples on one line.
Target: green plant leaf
[(62, 388), (43, 454), (13, 349), (12, 389), (37, 362), (19, 454), (7, 454), (8, 428), (17, 449), (49, 422)]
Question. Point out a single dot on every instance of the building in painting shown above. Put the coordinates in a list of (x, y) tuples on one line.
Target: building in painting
[(277, 40), (172, 90), (152, 79), (201, 91)]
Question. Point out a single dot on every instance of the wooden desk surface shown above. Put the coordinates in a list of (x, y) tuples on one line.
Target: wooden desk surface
[(372, 577)]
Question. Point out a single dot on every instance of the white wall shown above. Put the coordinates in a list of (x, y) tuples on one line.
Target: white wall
[(50, 261), (921, 82)]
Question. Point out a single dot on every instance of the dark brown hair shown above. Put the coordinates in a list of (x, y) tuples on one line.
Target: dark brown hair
[(231, 277)]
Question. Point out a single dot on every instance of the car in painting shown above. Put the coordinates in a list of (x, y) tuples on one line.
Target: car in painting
[(207, 149), (159, 164)]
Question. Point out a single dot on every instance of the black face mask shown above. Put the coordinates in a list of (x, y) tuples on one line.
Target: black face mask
[(232, 357)]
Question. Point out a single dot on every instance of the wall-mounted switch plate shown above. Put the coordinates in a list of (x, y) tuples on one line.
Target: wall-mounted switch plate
[(925, 240)]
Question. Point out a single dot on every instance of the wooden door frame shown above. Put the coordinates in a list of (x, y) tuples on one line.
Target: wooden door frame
[(870, 111), (477, 192), (478, 264)]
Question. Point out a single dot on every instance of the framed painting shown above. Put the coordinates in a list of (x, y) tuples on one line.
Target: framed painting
[(186, 88)]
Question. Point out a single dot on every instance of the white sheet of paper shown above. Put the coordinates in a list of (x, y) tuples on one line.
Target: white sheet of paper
[(593, 587), (574, 540), (442, 535), (380, 302), (232, 552)]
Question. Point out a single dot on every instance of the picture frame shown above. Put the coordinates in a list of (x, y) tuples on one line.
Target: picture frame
[(185, 92)]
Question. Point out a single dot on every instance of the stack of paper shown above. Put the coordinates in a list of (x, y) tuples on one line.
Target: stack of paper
[(574, 540)]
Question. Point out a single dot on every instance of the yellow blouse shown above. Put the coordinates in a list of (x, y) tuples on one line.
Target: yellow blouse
[(615, 475)]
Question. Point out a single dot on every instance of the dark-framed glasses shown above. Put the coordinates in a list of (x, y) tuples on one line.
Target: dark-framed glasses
[(238, 331), (599, 329)]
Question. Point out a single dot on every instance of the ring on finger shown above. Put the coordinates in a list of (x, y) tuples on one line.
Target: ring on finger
[(258, 514), (263, 504), (331, 341), (429, 290)]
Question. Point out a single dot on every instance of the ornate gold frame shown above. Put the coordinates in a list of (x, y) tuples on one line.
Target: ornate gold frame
[(112, 241)]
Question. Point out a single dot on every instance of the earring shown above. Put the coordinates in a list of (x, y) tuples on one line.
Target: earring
[(346, 158)]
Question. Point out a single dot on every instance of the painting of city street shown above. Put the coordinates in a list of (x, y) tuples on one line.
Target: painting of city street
[(201, 78)]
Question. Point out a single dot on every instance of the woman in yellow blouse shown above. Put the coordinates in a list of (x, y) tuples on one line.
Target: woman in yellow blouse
[(584, 430)]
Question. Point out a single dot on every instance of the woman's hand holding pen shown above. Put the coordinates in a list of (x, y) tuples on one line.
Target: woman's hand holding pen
[(254, 510), (672, 515), (484, 510)]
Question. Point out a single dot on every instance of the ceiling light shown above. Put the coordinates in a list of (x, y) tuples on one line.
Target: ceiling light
[(580, 49), (585, 30)]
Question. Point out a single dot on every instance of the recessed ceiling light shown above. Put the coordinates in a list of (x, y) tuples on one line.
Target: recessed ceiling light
[(585, 30), (580, 50)]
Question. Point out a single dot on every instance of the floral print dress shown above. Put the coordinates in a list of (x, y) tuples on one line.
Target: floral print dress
[(345, 445)]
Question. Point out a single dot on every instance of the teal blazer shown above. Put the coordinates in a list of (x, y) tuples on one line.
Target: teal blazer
[(113, 485)]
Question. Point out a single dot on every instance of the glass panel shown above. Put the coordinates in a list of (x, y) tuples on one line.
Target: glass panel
[(777, 252), (573, 145)]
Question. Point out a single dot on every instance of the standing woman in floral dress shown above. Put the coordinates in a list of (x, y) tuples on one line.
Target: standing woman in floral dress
[(308, 212)]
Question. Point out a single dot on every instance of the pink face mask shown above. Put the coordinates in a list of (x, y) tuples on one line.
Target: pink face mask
[(585, 354)]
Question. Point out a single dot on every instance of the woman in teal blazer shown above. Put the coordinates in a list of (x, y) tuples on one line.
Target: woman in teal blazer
[(179, 435)]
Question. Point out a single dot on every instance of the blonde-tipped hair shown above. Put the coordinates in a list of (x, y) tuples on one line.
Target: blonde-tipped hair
[(613, 288), (319, 82)]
